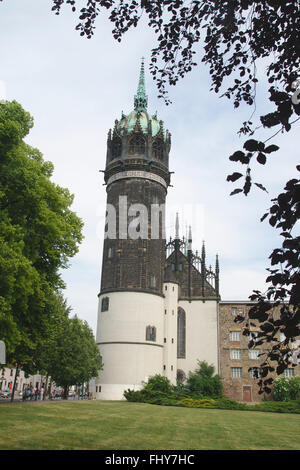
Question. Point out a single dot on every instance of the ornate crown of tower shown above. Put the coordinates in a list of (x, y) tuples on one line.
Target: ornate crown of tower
[(138, 141)]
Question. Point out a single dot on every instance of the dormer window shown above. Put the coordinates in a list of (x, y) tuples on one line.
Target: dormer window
[(137, 145)]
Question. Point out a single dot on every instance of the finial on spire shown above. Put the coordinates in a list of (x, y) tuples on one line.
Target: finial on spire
[(203, 251), (217, 264), (177, 226), (190, 239), (141, 99)]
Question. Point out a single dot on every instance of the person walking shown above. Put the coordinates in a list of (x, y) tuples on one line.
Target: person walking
[(28, 393)]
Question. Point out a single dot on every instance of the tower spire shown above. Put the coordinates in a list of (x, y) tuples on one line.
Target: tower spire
[(141, 99)]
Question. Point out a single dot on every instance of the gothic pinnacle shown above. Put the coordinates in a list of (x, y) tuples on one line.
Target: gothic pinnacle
[(177, 226)]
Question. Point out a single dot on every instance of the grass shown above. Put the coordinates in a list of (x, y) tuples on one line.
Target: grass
[(109, 425)]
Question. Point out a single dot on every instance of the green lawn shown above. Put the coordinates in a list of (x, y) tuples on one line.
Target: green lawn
[(93, 425)]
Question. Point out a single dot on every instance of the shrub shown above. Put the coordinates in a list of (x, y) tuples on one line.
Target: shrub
[(286, 389), (194, 403), (277, 407), (202, 382), (294, 388), (158, 383)]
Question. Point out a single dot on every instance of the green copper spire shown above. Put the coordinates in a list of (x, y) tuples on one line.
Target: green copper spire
[(141, 99)]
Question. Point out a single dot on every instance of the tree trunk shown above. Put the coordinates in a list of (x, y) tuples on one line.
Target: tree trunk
[(14, 385), (45, 388), (66, 392)]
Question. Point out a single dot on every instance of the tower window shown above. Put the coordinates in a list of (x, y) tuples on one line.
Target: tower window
[(181, 321), (104, 304), (137, 145), (150, 333), (116, 148), (153, 282), (110, 252)]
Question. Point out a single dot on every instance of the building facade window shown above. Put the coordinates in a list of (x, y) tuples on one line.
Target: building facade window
[(234, 310), (254, 353), (254, 372), (104, 304), (235, 336), (150, 333), (236, 372), (181, 332), (253, 335), (235, 354), (289, 373)]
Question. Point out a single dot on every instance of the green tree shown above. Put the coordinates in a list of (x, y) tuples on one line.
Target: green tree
[(74, 356), (203, 381), (38, 234)]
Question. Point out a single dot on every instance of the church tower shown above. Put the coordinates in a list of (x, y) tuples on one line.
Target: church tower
[(131, 300)]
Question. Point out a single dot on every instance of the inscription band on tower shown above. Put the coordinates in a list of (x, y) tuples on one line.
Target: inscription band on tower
[(137, 174)]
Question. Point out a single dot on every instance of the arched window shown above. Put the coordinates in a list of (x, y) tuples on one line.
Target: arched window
[(116, 148), (137, 145), (181, 377), (181, 320), (157, 149), (150, 333)]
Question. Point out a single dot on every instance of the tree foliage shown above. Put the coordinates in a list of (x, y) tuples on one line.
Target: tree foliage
[(74, 356), (38, 234)]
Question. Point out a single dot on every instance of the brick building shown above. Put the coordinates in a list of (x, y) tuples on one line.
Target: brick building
[(237, 361)]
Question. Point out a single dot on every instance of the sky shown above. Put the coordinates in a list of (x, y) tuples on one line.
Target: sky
[(75, 88)]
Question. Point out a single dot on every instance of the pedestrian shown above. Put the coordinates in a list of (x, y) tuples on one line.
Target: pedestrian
[(28, 393), (36, 393), (42, 392)]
